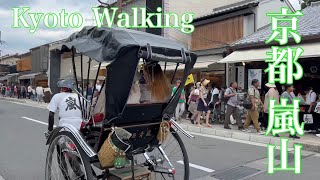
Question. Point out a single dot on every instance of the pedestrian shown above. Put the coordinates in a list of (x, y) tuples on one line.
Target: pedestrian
[(29, 91), (203, 103), (3, 90), (316, 117), (311, 97), (23, 91), (18, 91), (90, 92), (40, 93), (289, 88), (253, 113), (271, 94), (8, 91), (181, 106), (12, 93), (193, 102), (47, 94), (215, 101), (98, 86), (33, 94), (232, 106)]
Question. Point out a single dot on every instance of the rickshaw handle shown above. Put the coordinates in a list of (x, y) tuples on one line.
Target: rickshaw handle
[(179, 128)]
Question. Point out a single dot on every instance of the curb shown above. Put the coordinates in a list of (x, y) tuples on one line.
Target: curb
[(249, 137), (13, 100)]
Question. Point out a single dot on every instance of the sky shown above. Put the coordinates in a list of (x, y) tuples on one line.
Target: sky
[(20, 40)]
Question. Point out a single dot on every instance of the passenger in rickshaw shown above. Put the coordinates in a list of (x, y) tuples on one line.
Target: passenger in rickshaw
[(157, 84), (151, 86)]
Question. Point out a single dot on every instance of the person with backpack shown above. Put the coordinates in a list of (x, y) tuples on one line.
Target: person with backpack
[(214, 101), (232, 100)]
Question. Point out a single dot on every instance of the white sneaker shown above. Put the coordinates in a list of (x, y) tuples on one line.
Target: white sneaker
[(318, 135), (261, 132), (246, 130)]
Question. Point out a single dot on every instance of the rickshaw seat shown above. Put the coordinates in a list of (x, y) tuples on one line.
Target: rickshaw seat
[(141, 113)]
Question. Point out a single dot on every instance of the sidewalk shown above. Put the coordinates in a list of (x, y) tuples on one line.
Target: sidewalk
[(309, 141), (26, 102)]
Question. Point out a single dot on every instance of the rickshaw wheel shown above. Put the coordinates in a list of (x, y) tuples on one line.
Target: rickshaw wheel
[(66, 160), (176, 153)]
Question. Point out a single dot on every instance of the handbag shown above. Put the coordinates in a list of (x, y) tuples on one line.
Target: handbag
[(193, 106), (247, 104), (308, 118)]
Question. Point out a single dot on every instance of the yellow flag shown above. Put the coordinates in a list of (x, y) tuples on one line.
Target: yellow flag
[(189, 79)]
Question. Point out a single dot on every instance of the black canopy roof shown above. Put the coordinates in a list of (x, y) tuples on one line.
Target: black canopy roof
[(106, 44)]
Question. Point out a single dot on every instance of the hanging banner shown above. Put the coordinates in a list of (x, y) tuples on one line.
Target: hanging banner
[(241, 77), (254, 74)]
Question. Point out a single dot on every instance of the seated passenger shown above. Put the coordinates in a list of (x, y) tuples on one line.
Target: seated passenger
[(99, 102), (135, 94), (156, 83)]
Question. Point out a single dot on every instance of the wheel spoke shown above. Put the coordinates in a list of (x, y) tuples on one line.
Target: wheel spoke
[(175, 151), (63, 162)]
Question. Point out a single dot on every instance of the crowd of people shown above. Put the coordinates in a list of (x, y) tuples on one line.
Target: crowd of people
[(206, 101), (21, 91)]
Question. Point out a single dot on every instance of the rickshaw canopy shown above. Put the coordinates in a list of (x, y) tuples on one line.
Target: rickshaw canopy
[(106, 44)]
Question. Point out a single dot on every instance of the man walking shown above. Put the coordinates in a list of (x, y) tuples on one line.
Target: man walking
[(253, 113), (182, 101), (40, 94), (29, 91), (232, 106)]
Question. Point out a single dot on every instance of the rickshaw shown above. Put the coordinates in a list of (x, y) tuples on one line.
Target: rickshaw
[(74, 154)]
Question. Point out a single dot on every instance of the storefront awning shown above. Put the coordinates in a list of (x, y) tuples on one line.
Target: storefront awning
[(28, 76), (4, 78), (310, 50), (202, 63)]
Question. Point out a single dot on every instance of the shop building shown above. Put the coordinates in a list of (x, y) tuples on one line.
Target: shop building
[(216, 32), (249, 53)]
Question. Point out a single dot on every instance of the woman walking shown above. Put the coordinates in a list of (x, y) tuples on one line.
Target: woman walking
[(203, 103)]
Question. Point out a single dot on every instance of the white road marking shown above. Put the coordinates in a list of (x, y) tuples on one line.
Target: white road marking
[(37, 121), (198, 167)]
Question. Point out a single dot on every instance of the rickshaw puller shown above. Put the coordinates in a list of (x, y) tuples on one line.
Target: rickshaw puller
[(67, 103)]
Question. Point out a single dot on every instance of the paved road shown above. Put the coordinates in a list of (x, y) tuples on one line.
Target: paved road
[(22, 151)]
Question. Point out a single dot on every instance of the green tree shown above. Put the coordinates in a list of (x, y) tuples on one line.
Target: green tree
[(307, 3)]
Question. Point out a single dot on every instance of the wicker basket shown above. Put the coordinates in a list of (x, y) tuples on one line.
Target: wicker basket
[(107, 153), (163, 132)]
